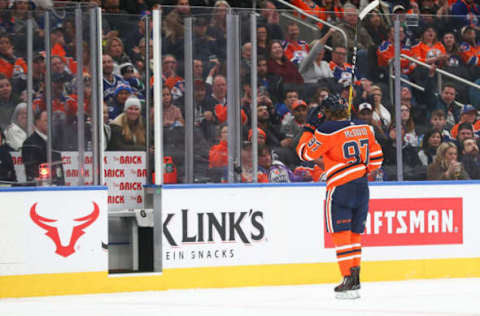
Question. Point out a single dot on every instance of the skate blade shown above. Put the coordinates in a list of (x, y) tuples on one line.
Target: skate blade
[(347, 295)]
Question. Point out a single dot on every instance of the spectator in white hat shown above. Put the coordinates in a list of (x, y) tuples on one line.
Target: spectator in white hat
[(128, 129)]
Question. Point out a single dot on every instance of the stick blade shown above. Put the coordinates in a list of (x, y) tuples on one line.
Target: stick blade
[(372, 5)]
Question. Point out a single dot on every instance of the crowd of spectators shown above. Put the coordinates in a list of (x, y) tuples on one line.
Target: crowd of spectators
[(439, 131)]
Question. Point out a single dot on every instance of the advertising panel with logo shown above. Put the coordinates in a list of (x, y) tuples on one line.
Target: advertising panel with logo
[(412, 221), (124, 174), (233, 226), (61, 230)]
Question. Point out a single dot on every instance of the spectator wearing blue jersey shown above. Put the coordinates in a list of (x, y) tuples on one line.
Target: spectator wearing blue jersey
[(130, 75), (117, 103)]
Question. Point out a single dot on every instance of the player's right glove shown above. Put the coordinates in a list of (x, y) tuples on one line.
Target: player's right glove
[(315, 118)]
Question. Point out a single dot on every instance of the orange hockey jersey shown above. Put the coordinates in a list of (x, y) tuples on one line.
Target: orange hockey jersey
[(422, 51), (314, 10), (386, 52), (470, 54), (349, 150)]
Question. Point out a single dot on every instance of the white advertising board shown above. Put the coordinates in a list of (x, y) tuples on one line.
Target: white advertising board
[(241, 226), (124, 174), (285, 224), (53, 231)]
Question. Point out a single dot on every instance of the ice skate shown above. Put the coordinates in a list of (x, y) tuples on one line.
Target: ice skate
[(346, 290), (355, 273)]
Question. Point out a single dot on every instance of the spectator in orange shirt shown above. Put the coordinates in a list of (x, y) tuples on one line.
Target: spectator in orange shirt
[(58, 42), (331, 10), (430, 50), (310, 7), (59, 98), (386, 52), (295, 50), (469, 115), (10, 65), (218, 155), (470, 48), (169, 69), (261, 136)]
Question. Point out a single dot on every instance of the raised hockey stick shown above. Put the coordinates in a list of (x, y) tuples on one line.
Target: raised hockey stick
[(372, 5)]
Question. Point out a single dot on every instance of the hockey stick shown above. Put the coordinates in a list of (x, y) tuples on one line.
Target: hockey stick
[(372, 5)]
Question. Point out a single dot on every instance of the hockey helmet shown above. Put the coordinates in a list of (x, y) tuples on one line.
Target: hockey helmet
[(335, 103)]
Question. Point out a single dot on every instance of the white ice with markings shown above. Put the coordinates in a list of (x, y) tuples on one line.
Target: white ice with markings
[(417, 297)]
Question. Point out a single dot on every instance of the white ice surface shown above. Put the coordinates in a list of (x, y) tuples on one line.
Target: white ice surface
[(418, 297)]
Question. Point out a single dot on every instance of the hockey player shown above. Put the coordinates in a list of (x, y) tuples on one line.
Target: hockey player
[(350, 152)]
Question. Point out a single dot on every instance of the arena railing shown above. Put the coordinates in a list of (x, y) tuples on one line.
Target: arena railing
[(439, 72)]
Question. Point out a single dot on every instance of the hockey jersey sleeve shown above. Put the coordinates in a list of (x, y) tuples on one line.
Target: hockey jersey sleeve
[(316, 146), (315, 118), (376, 154)]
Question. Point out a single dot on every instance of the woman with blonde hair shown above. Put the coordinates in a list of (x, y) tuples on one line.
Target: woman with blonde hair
[(128, 129), (446, 166), (115, 48)]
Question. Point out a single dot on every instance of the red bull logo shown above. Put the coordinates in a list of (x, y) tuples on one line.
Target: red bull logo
[(52, 227)]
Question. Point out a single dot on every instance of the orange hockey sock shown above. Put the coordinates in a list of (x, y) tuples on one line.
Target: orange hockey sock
[(343, 244), (357, 248)]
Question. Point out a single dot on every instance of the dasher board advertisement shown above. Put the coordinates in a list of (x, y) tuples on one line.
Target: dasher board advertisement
[(54, 231), (242, 225)]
